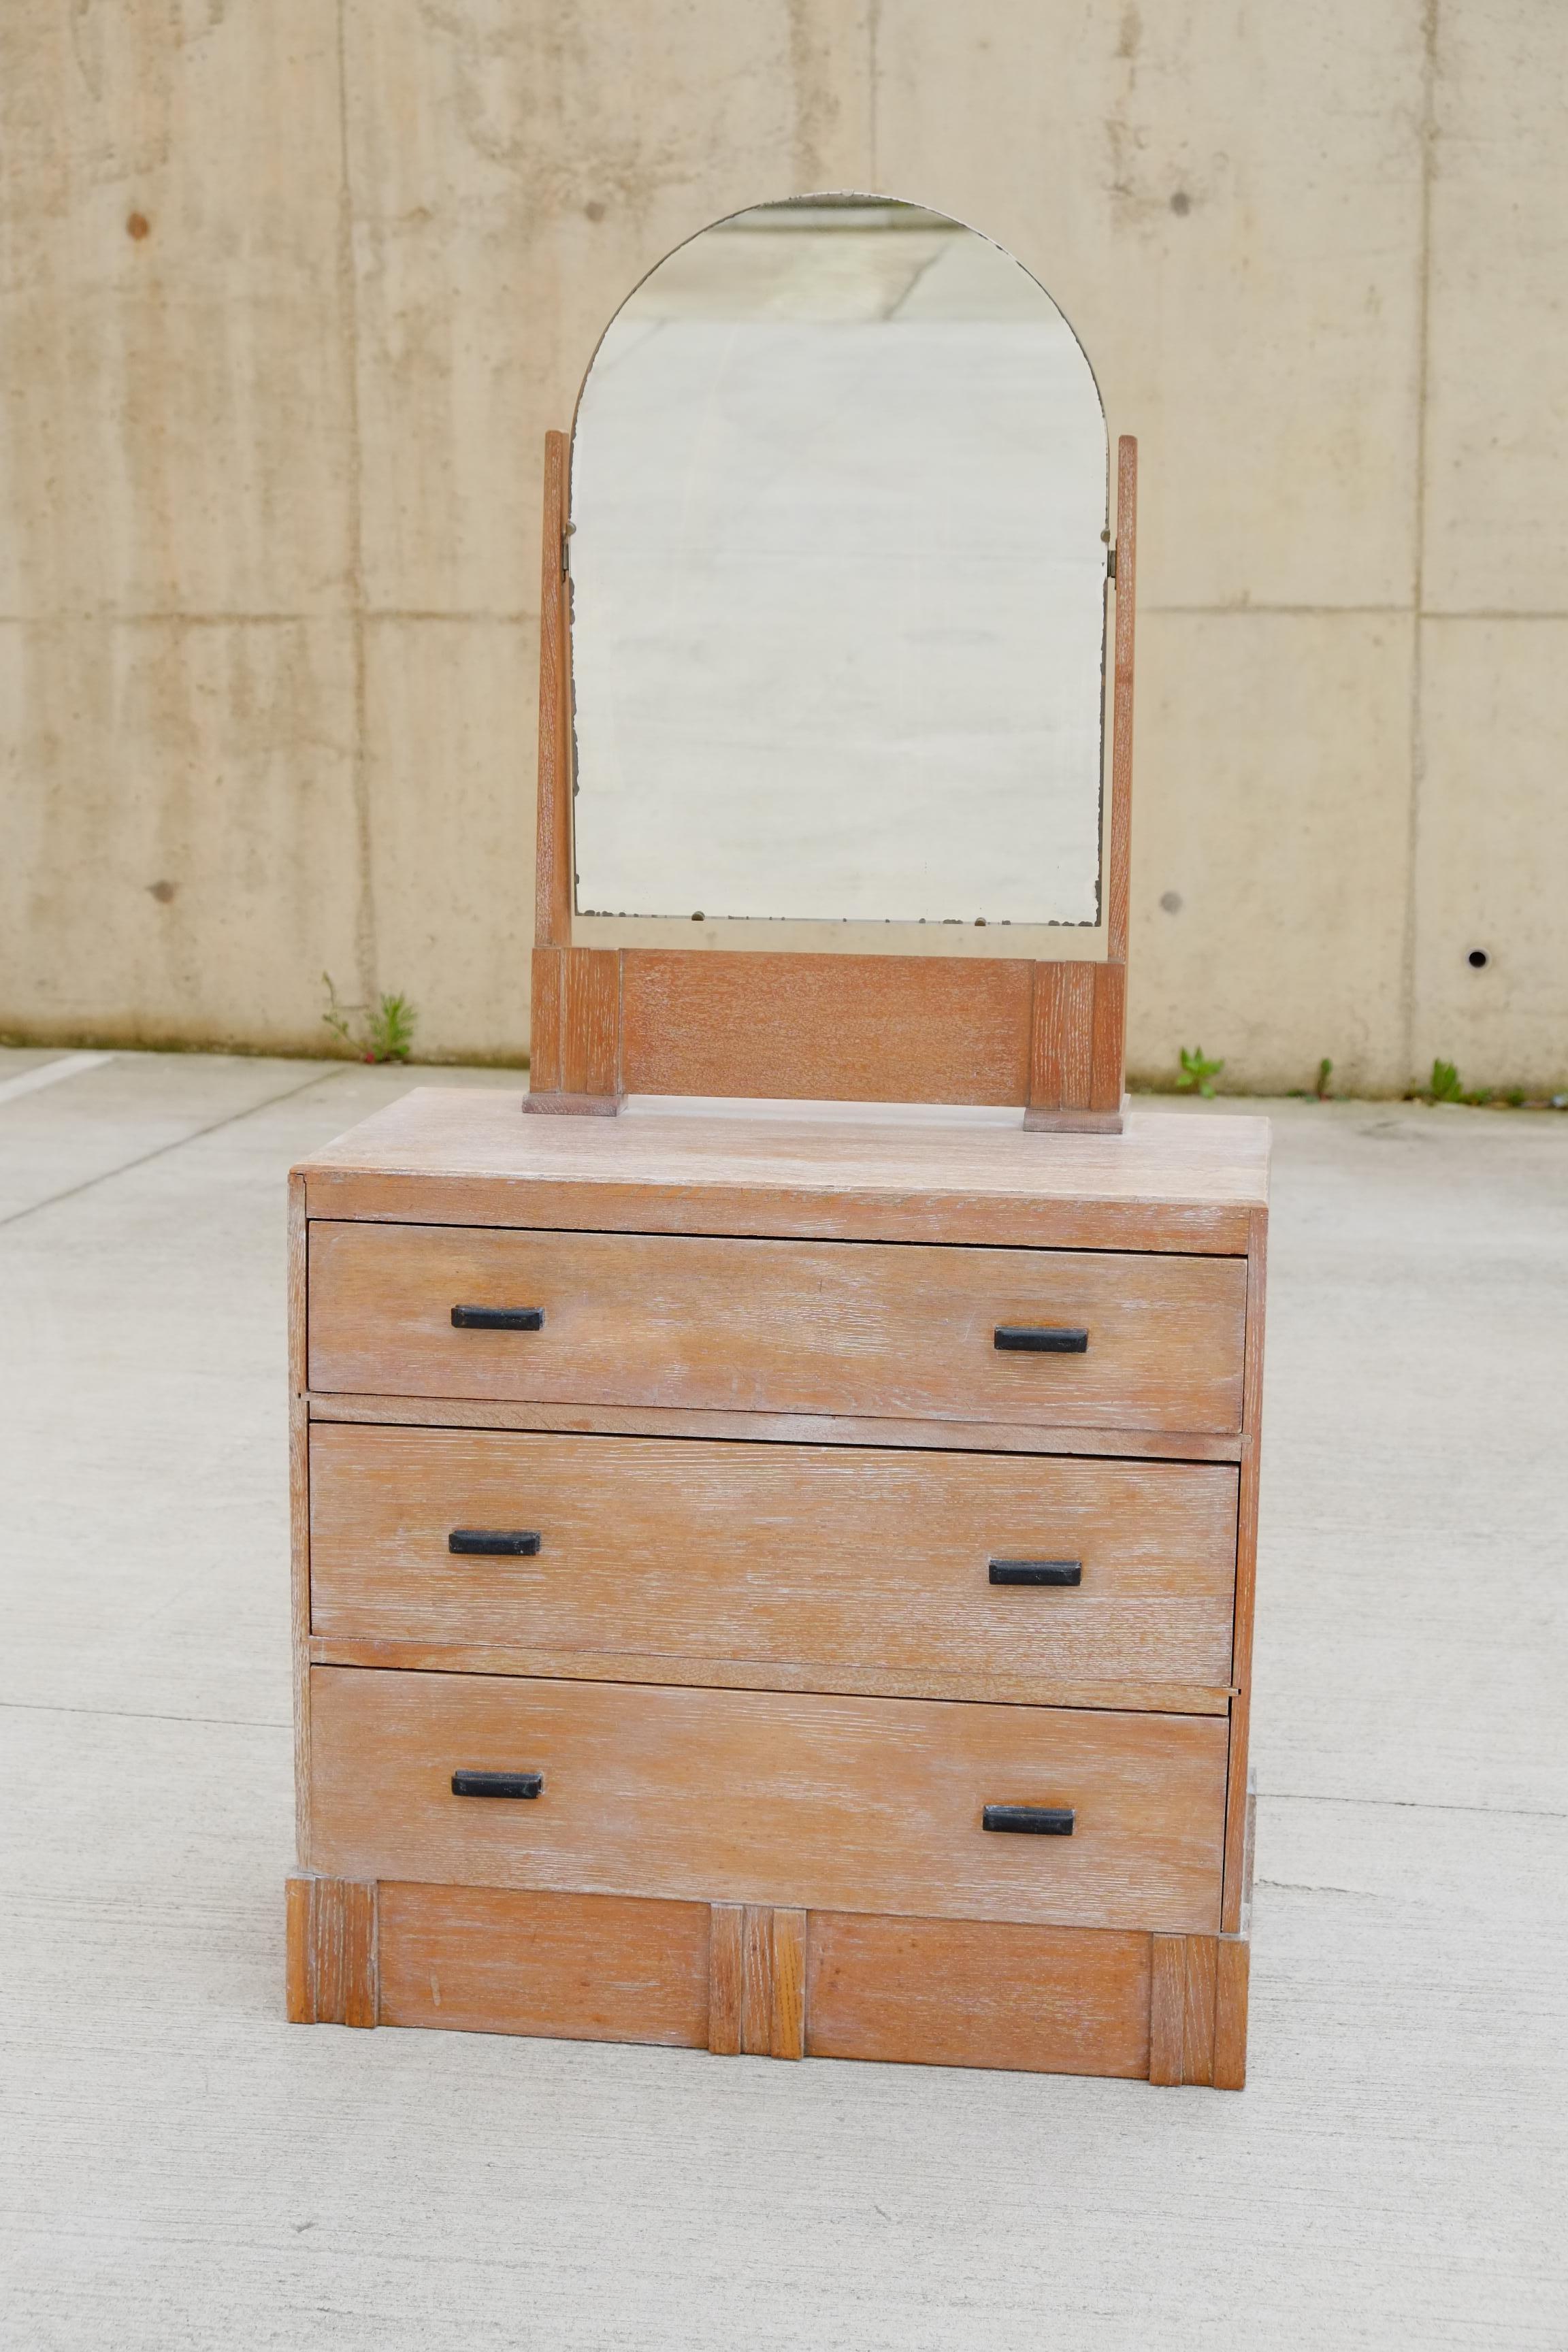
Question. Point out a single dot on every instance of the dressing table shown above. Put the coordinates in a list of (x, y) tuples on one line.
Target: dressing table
[(774, 1526)]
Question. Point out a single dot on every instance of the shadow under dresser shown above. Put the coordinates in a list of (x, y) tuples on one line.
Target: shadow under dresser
[(778, 1583)]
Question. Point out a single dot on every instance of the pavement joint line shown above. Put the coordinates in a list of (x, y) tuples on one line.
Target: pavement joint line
[(1264, 1795), (1413, 1805), (232, 1119), (143, 1715), (50, 1074)]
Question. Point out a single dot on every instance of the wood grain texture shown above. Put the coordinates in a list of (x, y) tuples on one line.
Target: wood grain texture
[(806, 1215), (1108, 1039), (1182, 2008), (946, 1993), (773, 1428), (552, 867), (299, 1974), (1118, 892), (579, 1967), (764, 1798), (546, 1015), (1233, 1961), (332, 1950), (726, 1979), (786, 1986), (810, 1557), (451, 1156), (591, 1055), (1197, 2009), (362, 1954), (1167, 2008), (1236, 1864), (299, 1513), (767, 1325), (1061, 1048), (327, 1955), (757, 1981), (908, 1029), (997, 1688)]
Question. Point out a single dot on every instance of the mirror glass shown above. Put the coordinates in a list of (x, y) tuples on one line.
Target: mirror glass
[(838, 563)]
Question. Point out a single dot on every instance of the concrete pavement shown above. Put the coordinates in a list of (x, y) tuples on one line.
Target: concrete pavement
[(181, 2170)]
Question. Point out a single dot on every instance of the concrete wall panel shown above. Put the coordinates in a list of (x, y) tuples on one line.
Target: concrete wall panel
[(1497, 402), (1262, 808), (174, 411), (514, 171), (1491, 865), (451, 742), (1228, 206), (183, 847)]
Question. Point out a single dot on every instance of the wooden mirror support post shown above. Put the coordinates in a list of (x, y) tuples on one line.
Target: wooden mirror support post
[(609, 1022)]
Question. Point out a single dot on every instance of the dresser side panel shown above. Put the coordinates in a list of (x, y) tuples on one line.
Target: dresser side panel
[(1235, 1834), (299, 1509)]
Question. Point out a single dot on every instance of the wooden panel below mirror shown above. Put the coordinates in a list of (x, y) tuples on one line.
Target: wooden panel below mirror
[(609, 1023)]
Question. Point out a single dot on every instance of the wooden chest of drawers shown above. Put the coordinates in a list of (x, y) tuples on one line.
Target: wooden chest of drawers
[(778, 1584)]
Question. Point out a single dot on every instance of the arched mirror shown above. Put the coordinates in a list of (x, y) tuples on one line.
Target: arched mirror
[(824, 683), (838, 498)]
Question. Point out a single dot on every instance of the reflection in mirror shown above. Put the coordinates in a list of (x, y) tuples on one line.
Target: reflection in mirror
[(838, 496)]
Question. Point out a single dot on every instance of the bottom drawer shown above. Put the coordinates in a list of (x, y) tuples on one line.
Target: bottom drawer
[(764, 1797)]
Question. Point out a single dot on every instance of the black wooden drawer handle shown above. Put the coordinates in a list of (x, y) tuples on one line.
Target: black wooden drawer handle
[(496, 1543), (1038, 1340), (497, 1784), (497, 1318), (1029, 1821), (1021, 1572)]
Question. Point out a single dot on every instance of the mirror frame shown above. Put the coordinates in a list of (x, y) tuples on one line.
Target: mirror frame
[(1045, 1037)]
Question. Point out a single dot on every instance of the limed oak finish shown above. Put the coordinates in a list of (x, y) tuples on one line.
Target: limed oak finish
[(779, 1584)]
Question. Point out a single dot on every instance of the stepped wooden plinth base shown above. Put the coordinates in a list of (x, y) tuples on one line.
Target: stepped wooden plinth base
[(769, 1982)]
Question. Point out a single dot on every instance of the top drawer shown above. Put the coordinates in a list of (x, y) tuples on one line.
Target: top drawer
[(857, 1327)]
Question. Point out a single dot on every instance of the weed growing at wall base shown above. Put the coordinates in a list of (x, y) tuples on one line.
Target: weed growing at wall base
[(1195, 1071), (1446, 1086), (384, 1031)]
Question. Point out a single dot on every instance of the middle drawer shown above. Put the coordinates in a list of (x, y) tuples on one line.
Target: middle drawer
[(1063, 1569)]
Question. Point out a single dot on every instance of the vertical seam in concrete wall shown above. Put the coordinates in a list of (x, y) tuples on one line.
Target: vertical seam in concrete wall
[(873, 27), (1419, 592), (348, 302)]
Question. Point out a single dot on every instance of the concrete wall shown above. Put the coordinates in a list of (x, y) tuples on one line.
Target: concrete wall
[(292, 289)]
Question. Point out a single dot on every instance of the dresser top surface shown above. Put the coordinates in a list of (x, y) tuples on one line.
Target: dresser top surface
[(463, 1134)]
